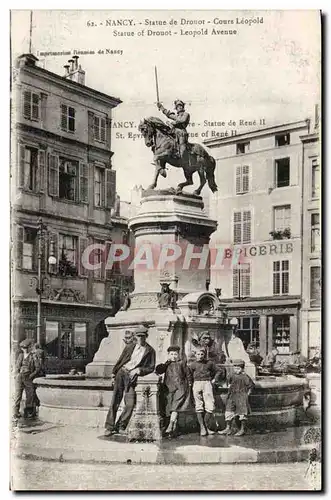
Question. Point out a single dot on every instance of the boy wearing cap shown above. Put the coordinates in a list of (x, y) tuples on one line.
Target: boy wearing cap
[(26, 369), (137, 359), (203, 373), (237, 405), (176, 386)]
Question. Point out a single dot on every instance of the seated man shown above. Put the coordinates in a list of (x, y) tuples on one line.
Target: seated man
[(137, 359)]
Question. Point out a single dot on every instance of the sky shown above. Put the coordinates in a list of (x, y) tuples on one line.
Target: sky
[(269, 70)]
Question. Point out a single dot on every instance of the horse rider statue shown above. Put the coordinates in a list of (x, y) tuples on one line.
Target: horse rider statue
[(179, 122)]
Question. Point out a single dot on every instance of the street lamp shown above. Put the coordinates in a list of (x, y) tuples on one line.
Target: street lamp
[(41, 282)]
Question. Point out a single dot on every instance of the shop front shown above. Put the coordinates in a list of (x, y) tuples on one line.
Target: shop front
[(268, 323), (70, 334)]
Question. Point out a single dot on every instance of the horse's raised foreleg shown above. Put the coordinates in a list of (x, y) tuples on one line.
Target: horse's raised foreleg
[(159, 166), (189, 182), (203, 181)]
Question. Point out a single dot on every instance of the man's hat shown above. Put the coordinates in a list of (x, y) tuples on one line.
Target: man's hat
[(141, 331), (26, 343), (173, 348), (205, 334), (178, 101), (238, 362)]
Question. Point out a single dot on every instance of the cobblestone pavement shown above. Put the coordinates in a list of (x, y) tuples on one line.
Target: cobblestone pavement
[(39, 475)]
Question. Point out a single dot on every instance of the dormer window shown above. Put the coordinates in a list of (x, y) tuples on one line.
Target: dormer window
[(242, 148), (282, 140)]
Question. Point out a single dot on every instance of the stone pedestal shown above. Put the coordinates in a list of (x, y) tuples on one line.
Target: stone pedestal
[(167, 224)]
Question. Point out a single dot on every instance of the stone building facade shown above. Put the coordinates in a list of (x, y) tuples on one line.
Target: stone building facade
[(258, 208), (61, 171), (311, 244)]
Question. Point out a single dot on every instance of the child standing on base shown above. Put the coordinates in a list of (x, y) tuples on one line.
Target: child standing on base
[(177, 390), (237, 405), (203, 374)]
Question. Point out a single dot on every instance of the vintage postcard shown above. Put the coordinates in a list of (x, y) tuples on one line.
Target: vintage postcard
[(165, 250)]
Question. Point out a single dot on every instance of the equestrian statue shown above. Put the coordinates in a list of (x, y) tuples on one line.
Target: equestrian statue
[(169, 143)]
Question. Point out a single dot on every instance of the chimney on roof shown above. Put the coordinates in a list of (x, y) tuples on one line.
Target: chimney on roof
[(26, 60), (66, 67), (71, 61), (74, 71)]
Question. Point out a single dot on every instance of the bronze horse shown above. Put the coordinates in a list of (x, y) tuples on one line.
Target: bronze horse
[(160, 138)]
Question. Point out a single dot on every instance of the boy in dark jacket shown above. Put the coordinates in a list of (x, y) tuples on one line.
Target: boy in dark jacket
[(203, 374), (176, 386), (240, 386), (26, 369)]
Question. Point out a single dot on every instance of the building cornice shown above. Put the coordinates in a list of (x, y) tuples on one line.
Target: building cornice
[(46, 134), (313, 137), (265, 131), (70, 85), (115, 221)]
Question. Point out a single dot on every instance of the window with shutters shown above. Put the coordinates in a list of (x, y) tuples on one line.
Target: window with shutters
[(282, 217), (67, 118), (282, 140), (315, 179), (30, 248), (242, 281), (99, 186), (99, 129), (68, 179), (282, 172), (29, 168), (98, 259), (242, 179), (315, 286), (315, 233), (242, 148), (242, 227), (68, 252), (31, 105), (281, 274)]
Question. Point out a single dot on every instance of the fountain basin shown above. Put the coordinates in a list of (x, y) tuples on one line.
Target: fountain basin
[(77, 400)]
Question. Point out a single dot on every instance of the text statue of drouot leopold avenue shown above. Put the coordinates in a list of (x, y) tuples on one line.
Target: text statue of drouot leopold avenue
[(171, 306)]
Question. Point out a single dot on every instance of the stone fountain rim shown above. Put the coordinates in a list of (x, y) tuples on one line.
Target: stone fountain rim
[(81, 382)]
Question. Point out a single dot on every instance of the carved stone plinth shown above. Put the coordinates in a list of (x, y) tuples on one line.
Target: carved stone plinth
[(145, 422)]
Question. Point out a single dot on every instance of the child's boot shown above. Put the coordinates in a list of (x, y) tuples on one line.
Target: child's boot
[(208, 418), (242, 429), (227, 430), (203, 430)]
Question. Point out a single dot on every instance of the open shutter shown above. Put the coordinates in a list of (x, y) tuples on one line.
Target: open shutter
[(102, 130), (41, 171), (83, 182), (245, 178), (27, 104), (110, 188), (18, 244), (246, 227), (64, 113), (108, 133), (237, 228), (90, 127), (21, 156), (238, 180), (53, 175), (109, 272), (83, 243)]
